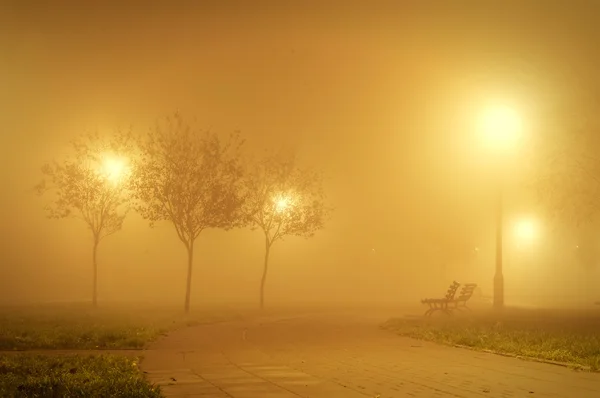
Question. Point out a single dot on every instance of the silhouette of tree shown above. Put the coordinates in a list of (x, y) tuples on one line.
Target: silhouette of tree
[(283, 200), (90, 184), (189, 178), (567, 167)]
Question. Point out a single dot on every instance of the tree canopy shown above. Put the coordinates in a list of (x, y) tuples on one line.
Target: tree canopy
[(90, 184), (190, 178), (283, 199)]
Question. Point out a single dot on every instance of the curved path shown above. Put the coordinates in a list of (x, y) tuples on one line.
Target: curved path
[(343, 355)]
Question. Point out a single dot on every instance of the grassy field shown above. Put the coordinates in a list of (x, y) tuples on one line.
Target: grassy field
[(71, 326), (563, 336), (26, 375), (79, 327)]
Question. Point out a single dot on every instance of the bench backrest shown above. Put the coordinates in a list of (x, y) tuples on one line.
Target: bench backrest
[(467, 291), (452, 290)]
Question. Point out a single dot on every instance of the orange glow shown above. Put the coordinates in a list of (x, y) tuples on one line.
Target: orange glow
[(501, 126), (114, 169), (526, 230), (282, 203)]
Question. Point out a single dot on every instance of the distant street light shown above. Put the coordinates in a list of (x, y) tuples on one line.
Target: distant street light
[(113, 169), (501, 127), (282, 203), (526, 230)]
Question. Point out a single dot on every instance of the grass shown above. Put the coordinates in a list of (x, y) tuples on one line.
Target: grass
[(80, 327), (70, 326), (27, 375), (562, 336)]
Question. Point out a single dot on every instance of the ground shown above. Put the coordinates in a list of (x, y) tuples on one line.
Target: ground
[(72, 375), (342, 354), (79, 326), (569, 336), (74, 350), (289, 353)]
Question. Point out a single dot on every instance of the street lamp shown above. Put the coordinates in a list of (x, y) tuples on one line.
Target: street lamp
[(501, 126), (113, 169), (282, 202), (526, 230)]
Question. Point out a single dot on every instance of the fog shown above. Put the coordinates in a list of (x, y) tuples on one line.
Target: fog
[(383, 98)]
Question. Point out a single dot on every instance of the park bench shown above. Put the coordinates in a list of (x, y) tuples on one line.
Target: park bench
[(466, 292), (450, 302), (478, 295), (441, 304)]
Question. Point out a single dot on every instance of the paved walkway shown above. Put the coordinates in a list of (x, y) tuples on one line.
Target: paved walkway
[(342, 355)]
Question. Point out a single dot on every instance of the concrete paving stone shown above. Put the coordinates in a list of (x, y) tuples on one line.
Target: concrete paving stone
[(178, 390), (345, 355)]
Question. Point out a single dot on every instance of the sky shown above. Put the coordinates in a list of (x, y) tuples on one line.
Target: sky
[(383, 96)]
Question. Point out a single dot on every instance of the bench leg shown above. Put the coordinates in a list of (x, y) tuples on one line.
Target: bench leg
[(443, 310), (433, 309)]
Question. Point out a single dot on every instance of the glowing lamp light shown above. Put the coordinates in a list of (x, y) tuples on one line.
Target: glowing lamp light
[(501, 126), (114, 169), (281, 204), (526, 230)]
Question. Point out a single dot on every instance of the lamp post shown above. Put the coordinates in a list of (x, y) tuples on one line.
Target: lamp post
[(501, 126), (499, 275)]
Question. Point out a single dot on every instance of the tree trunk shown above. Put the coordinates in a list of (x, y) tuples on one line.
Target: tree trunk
[(264, 275), (188, 289), (95, 277)]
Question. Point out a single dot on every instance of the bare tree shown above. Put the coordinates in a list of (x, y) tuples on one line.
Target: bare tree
[(89, 184), (566, 177), (283, 200), (566, 167), (189, 178)]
